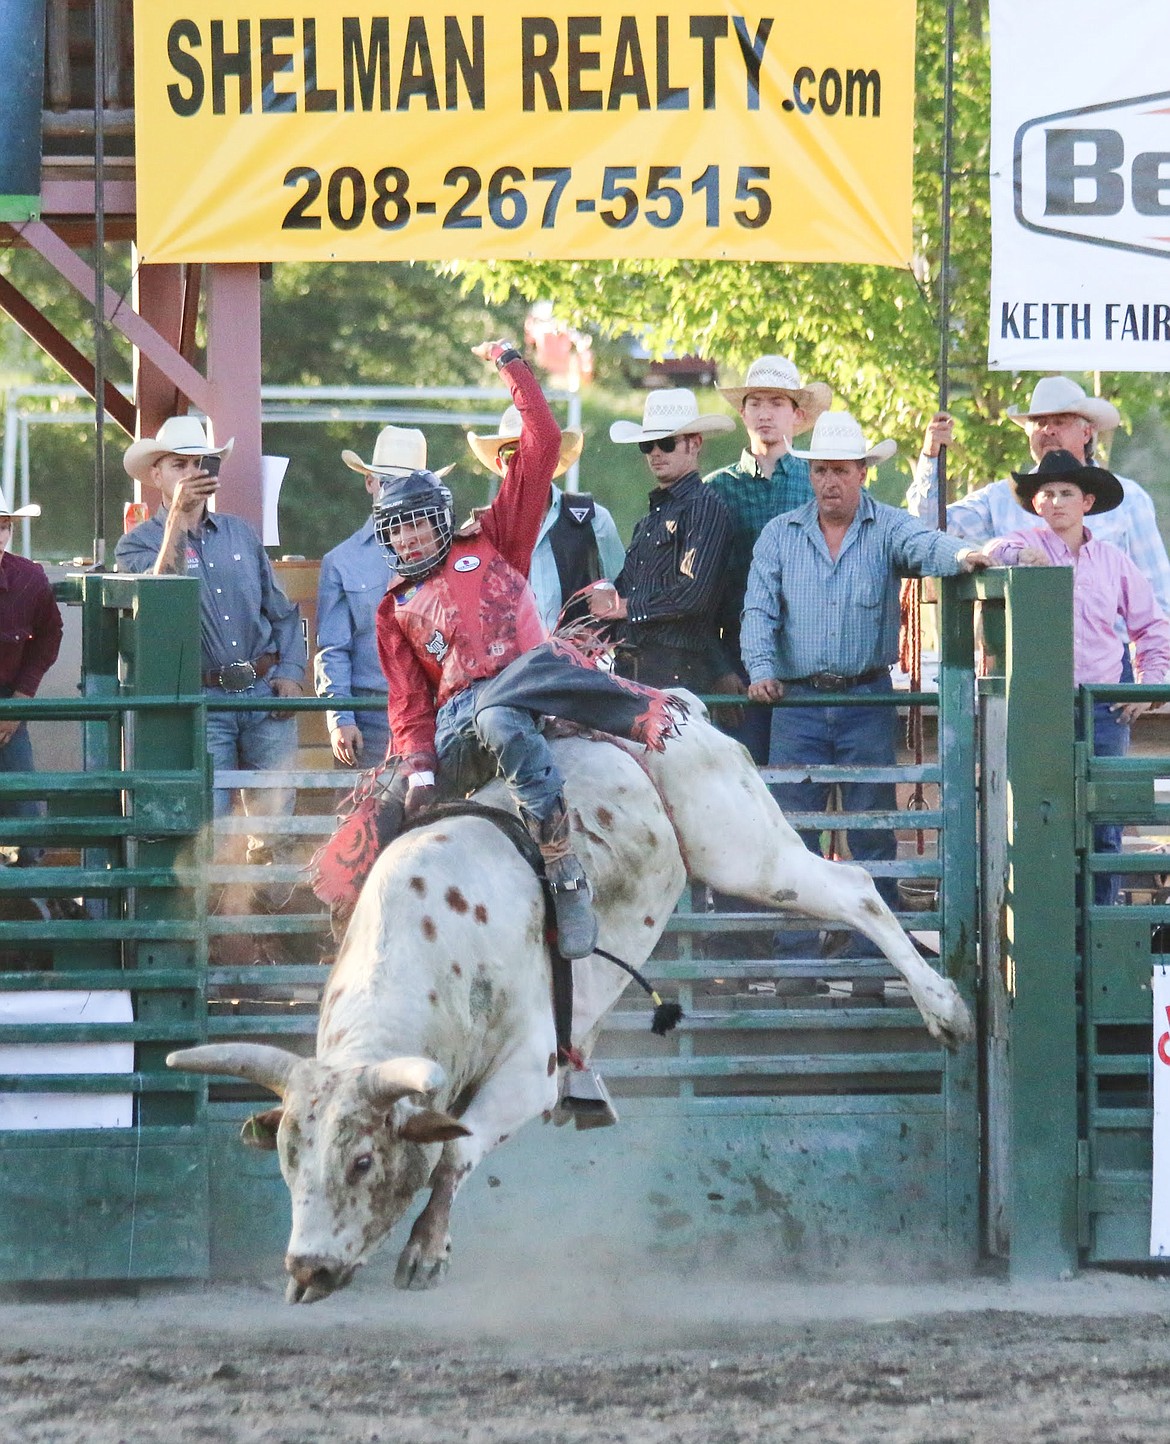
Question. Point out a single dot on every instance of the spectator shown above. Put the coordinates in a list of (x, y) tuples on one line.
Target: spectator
[(251, 637), (1107, 586), (668, 592), (354, 578), (30, 638), (766, 481), (578, 542), (1059, 417), (821, 620)]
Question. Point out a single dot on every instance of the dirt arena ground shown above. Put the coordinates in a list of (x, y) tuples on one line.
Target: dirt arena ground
[(707, 1360)]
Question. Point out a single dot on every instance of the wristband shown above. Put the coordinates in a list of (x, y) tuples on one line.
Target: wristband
[(421, 779), (506, 355)]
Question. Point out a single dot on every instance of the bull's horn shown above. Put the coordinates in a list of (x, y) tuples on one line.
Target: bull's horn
[(386, 1082), (268, 1067)]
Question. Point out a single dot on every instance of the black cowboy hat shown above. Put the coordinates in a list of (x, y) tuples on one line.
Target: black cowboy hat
[(1094, 481)]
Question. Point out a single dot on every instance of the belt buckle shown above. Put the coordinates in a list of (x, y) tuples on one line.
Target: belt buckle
[(237, 676), (829, 682)]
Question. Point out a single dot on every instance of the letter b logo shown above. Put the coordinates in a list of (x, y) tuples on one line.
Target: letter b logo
[(1092, 157)]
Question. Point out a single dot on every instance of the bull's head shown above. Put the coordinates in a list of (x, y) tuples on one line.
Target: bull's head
[(355, 1145)]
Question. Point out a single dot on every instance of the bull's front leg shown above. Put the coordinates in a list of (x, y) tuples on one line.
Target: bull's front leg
[(524, 1086), (424, 1261)]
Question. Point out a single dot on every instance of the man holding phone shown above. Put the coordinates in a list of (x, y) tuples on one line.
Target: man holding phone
[(251, 636)]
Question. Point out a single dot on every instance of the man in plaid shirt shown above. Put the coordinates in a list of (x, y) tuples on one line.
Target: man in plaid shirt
[(767, 480)]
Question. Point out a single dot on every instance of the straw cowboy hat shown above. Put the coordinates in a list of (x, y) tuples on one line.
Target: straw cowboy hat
[(178, 436), (398, 451), (837, 437), (669, 413), (32, 509), (487, 448), (778, 375), (1105, 489), (1055, 394)]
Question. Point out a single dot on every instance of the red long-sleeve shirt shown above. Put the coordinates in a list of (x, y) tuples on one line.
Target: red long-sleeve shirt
[(30, 626), (475, 612)]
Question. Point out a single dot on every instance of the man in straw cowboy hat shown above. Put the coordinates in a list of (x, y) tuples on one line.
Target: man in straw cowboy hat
[(821, 619), (469, 672), (1107, 587), (1059, 417), (666, 597), (353, 580), (578, 542), (30, 639), (767, 480), (251, 637)]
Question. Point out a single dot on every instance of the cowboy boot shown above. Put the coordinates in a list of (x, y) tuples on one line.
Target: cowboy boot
[(576, 920)]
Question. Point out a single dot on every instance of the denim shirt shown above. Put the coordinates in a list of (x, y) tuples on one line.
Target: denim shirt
[(354, 578)]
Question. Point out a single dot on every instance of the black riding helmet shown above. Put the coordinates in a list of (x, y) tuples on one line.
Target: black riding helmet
[(405, 501)]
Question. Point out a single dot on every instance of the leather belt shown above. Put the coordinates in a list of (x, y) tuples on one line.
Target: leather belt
[(835, 682), (239, 676)]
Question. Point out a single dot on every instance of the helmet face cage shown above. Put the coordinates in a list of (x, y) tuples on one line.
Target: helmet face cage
[(412, 513)]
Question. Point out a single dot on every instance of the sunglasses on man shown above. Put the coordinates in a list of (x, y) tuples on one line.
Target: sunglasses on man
[(663, 443)]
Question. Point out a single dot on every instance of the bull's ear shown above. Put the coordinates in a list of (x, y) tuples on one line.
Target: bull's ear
[(428, 1125), (259, 1131)]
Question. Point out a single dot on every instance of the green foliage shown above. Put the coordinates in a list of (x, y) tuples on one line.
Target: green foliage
[(871, 332)]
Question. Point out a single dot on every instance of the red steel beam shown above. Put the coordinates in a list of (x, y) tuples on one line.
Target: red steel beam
[(118, 312), (64, 352)]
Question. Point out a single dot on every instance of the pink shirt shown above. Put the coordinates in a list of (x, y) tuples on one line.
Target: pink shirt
[(1106, 585)]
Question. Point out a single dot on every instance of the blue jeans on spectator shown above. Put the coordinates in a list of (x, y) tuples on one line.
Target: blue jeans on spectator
[(750, 725), (375, 729), (839, 736), (17, 756), (252, 742), (512, 737), (1110, 739)]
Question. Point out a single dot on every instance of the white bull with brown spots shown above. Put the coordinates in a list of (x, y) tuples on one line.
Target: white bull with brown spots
[(436, 1041)]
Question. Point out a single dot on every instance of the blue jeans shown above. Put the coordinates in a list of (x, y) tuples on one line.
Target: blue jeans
[(511, 736), (839, 736), (375, 729), (1110, 739), (252, 742), (17, 756)]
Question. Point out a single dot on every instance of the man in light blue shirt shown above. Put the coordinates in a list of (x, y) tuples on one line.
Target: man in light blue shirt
[(354, 577), (592, 550), (821, 620), (578, 541), (1060, 417)]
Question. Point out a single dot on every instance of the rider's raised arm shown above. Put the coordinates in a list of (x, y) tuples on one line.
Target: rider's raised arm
[(512, 522)]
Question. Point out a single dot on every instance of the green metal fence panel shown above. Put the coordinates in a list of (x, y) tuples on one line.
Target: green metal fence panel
[(114, 1202), (813, 1129)]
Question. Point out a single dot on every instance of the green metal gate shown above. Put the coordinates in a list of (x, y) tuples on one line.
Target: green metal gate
[(813, 1133)]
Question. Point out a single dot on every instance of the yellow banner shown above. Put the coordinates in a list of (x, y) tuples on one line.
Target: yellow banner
[(643, 128)]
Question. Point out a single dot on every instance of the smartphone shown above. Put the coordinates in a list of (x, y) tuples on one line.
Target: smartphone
[(209, 465)]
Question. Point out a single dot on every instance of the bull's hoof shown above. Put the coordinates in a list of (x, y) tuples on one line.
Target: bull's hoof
[(951, 1023), (418, 1269)]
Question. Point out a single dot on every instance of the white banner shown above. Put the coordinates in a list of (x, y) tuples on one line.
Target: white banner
[(1160, 1200), (1080, 186)]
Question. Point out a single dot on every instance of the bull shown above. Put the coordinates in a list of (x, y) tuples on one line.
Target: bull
[(436, 1040)]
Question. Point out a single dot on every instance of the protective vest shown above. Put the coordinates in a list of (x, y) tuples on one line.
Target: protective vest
[(470, 618)]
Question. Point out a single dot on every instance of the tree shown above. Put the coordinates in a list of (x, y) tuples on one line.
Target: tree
[(870, 331)]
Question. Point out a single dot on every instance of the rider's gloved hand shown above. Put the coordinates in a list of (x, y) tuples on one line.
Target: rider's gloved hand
[(420, 794)]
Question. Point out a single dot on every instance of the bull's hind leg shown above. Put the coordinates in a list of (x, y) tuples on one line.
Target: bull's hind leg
[(736, 840)]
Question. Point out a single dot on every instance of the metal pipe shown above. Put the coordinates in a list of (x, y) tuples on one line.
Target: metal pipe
[(99, 290), (944, 288)]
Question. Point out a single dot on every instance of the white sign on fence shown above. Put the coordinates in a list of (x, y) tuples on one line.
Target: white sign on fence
[(1080, 186), (1160, 1202)]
